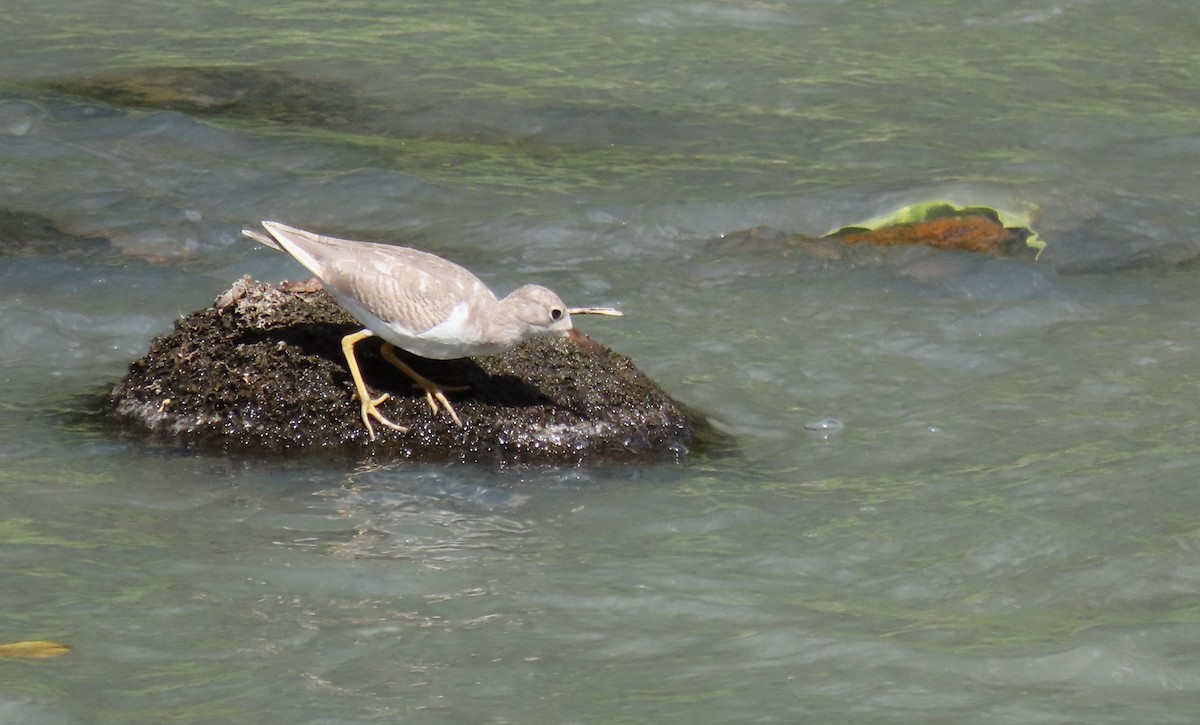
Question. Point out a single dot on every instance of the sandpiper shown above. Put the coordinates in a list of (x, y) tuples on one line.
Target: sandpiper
[(421, 303)]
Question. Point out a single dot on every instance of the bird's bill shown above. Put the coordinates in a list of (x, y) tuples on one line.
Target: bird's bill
[(606, 311)]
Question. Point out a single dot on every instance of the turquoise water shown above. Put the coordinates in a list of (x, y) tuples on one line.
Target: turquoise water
[(964, 488)]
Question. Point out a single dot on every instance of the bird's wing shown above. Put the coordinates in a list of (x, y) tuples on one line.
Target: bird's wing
[(410, 289), (407, 288)]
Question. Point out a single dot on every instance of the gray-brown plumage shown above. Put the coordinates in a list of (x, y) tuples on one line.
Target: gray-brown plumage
[(419, 302)]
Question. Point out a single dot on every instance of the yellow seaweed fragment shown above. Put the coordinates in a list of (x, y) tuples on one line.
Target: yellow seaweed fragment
[(35, 648)]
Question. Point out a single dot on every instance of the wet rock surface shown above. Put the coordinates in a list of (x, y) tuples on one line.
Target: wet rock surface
[(263, 369)]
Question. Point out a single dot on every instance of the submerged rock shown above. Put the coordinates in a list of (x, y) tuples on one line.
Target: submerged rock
[(228, 91), (263, 369), (934, 224), (25, 233)]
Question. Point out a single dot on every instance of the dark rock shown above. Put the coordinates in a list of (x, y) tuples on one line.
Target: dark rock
[(263, 369)]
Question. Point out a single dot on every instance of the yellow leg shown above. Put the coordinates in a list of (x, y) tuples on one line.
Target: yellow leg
[(369, 409), (433, 393)]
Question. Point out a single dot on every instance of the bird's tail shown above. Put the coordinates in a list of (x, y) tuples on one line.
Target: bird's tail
[(262, 239)]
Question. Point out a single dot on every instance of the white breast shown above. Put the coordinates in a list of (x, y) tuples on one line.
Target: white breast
[(453, 338)]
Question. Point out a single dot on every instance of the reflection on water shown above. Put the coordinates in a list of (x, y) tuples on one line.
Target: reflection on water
[(964, 488)]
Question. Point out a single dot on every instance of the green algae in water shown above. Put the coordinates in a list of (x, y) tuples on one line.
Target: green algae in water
[(565, 146), (764, 99)]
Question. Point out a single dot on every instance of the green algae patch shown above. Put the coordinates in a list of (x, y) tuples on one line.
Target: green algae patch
[(475, 135)]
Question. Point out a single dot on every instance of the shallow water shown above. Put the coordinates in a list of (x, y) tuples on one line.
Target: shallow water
[(964, 488)]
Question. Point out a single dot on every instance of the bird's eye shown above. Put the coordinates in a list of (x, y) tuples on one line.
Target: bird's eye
[(556, 314)]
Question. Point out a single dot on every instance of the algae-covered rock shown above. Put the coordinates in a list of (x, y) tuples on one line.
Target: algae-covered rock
[(934, 224), (263, 369), (945, 225)]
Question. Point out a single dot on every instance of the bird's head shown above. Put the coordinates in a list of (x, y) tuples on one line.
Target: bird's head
[(542, 312), (539, 310)]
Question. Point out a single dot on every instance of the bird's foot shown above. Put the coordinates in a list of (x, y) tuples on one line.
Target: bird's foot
[(370, 409), (434, 393)]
